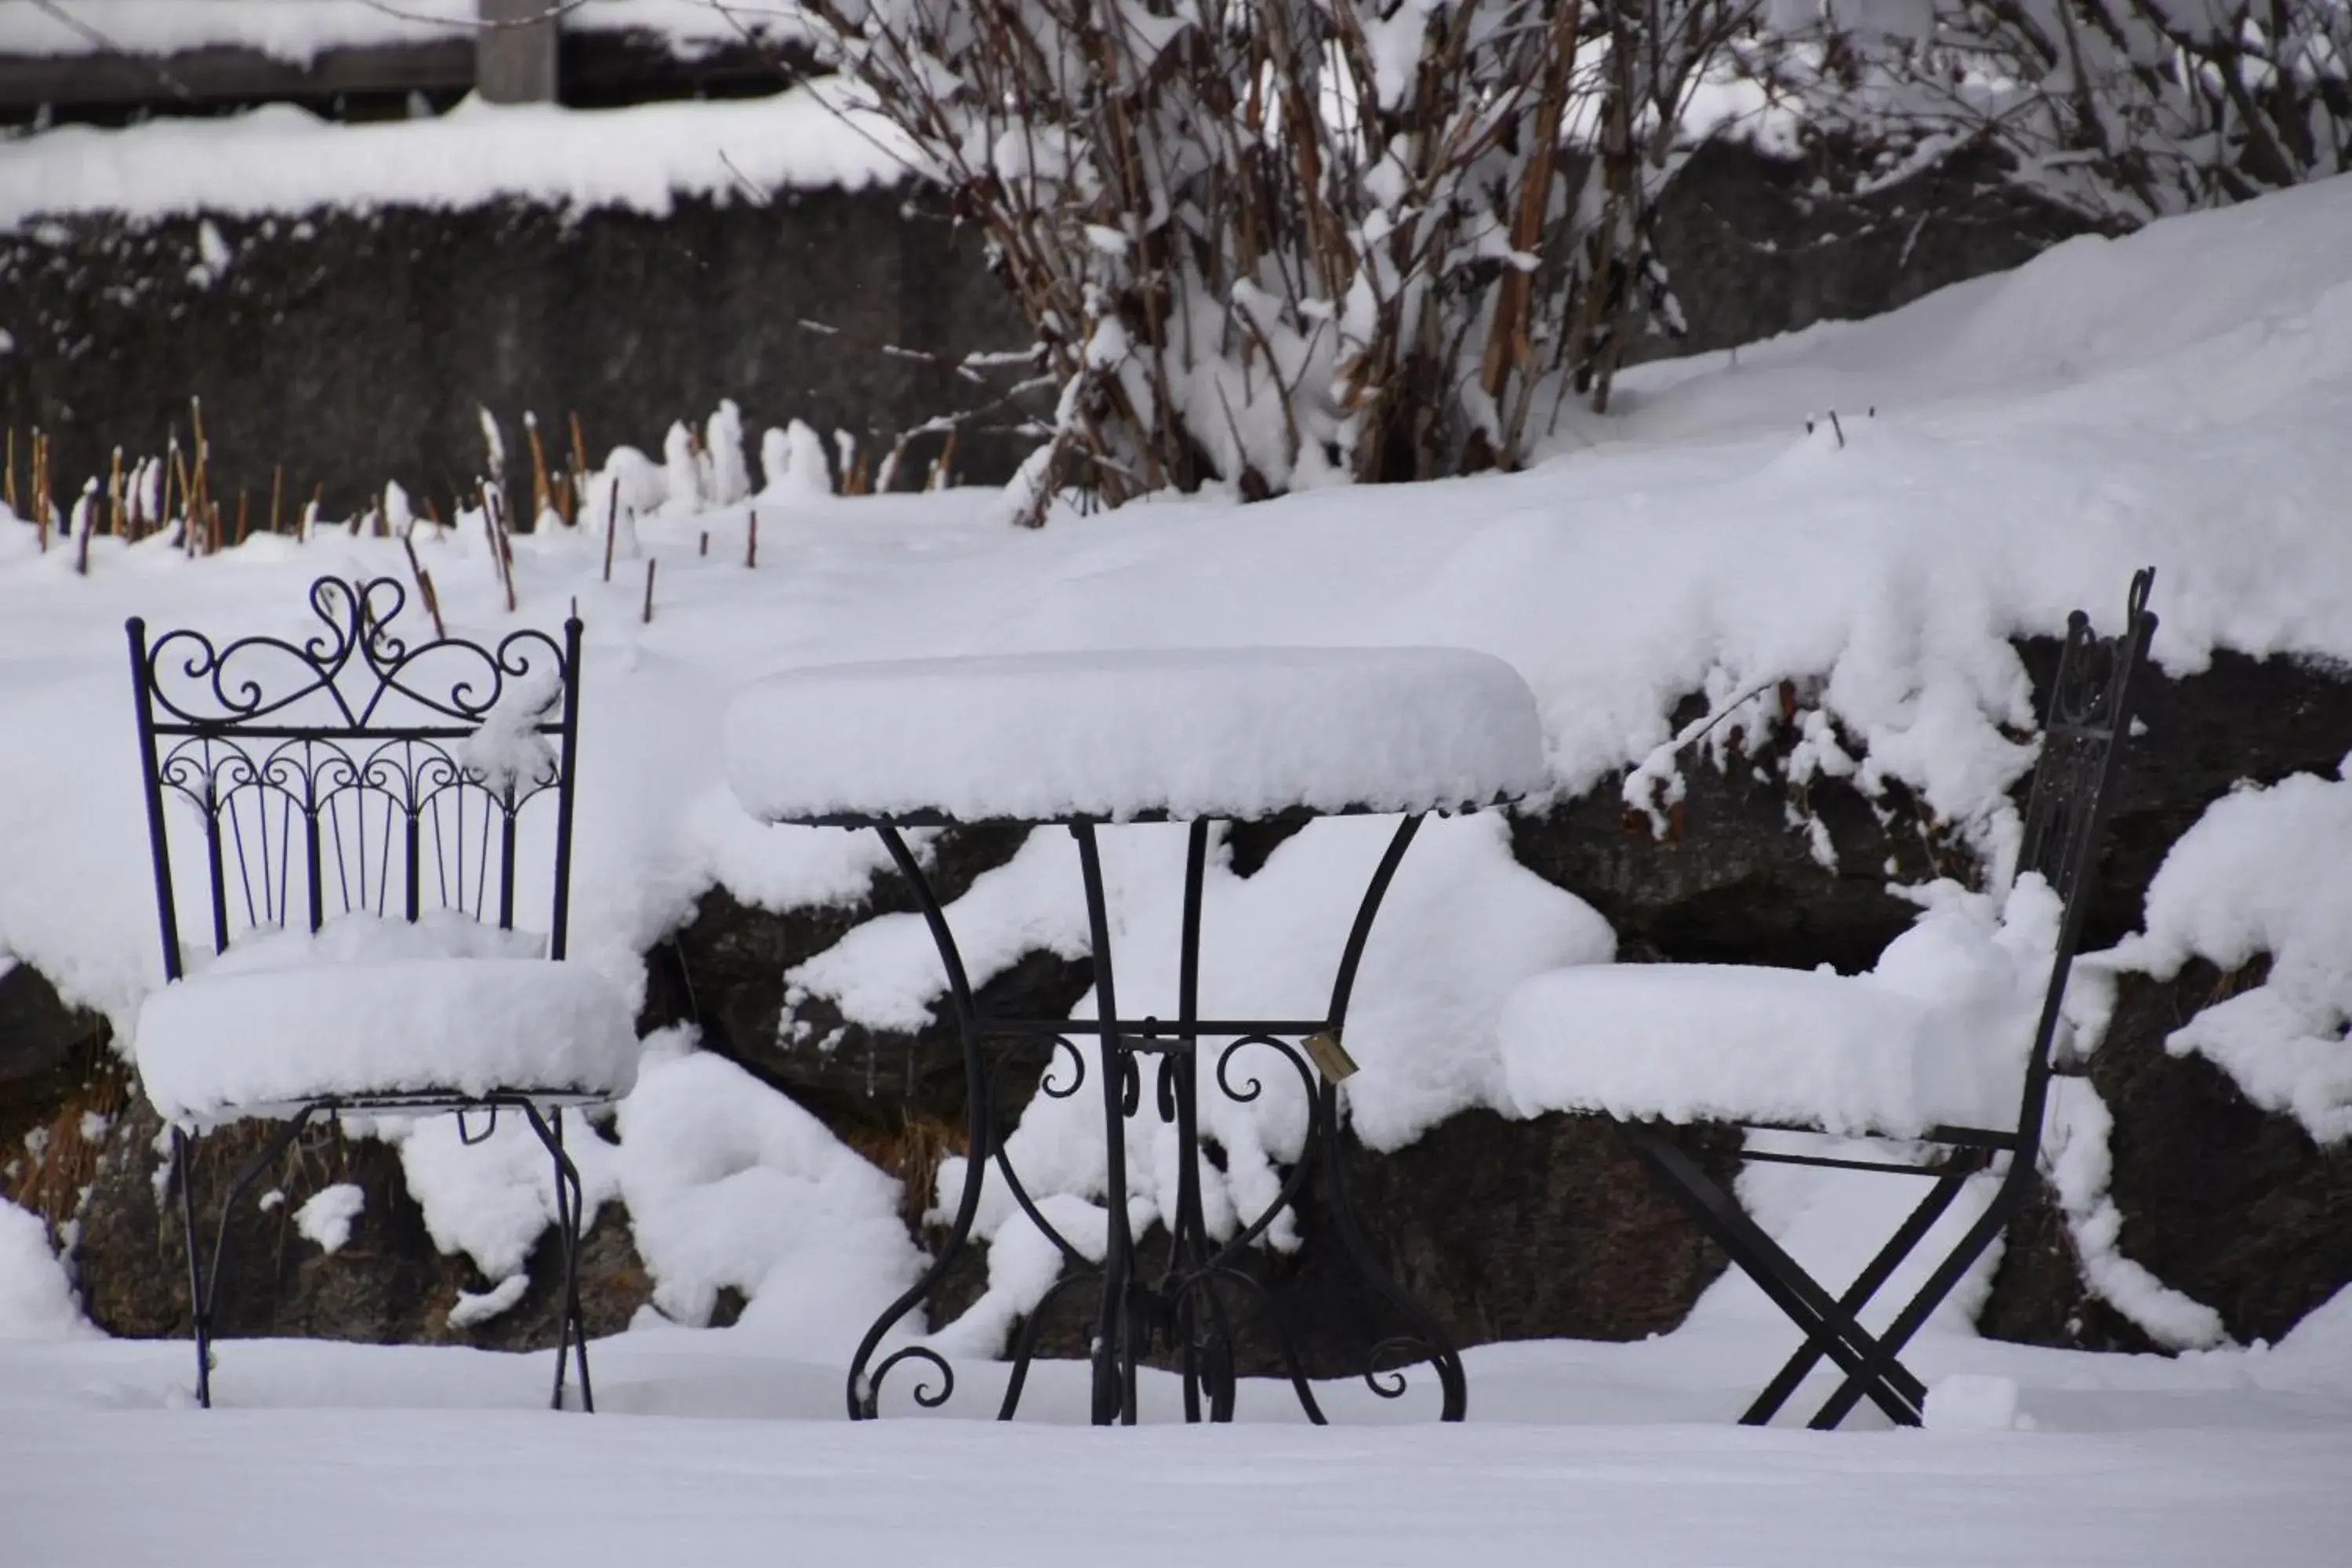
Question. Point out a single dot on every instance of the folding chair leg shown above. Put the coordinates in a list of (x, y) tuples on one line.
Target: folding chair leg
[(183, 1164), (1826, 1324), (1914, 1316), (204, 1285), (1865, 1285), (571, 1221)]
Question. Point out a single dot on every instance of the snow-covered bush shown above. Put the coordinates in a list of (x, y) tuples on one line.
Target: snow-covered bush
[(2123, 109), (1268, 242)]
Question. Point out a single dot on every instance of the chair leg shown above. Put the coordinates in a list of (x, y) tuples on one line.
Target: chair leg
[(1826, 1324), (570, 1222), (204, 1284), (2010, 1195), (1865, 1285), (184, 1166)]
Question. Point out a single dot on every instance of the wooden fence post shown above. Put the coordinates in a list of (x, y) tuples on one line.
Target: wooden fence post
[(515, 50)]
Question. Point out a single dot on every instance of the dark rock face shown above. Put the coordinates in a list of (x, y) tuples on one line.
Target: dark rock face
[(2239, 719), (1515, 1230), (724, 971), (1501, 1229), (2039, 1297), (386, 1285), (2224, 1201), (38, 1033), (1753, 249), (1730, 881)]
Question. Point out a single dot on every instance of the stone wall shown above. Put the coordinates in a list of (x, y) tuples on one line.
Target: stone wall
[(355, 347), (351, 348)]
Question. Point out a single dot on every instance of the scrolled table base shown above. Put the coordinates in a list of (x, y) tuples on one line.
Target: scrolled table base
[(1192, 1308)]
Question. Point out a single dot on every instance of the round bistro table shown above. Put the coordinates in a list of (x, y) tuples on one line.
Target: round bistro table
[(1086, 741)]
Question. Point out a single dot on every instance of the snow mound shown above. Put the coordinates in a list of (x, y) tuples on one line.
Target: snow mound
[(1936, 1034), (326, 1217), (280, 159), (1972, 1402), (373, 1005), (2258, 874), (35, 1300), (1228, 732), (731, 1185)]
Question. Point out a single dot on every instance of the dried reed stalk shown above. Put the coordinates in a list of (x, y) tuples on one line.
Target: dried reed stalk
[(611, 520), (425, 587), (175, 476), (198, 477), (276, 492), (543, 494), (86, 508), (502, 557), (41, 490), (8, 486)]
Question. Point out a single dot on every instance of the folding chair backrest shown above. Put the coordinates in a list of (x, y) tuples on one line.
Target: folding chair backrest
[(354, 773), (2087, 717)]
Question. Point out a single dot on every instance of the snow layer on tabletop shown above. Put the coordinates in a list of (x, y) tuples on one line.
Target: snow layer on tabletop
[(282, 160), (36, 1301), (1461, 923), (370, 1005), (1234, 732), (1938, 1032), (2263, 872)]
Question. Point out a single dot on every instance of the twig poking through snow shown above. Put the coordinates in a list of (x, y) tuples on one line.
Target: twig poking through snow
[(424, 588)]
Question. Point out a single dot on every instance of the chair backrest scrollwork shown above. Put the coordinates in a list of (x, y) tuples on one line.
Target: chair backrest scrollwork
[(352, 771)]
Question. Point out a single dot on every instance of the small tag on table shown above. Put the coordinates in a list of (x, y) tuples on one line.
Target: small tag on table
[(1330, 1057)]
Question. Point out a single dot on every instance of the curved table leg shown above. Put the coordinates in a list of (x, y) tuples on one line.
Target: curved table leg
[(1435, 1345), (1115, 1348), (866, 1386)]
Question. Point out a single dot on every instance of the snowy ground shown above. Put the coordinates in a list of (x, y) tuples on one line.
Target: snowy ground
[(1589, 1453), (2179, 398)]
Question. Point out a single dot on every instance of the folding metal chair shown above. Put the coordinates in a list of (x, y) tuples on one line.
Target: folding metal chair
[(358, 814), (2089, 713)]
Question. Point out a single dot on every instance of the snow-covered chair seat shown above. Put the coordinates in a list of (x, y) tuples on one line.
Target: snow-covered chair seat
[(1114, 735), (1936, 1037), (375, 1012)]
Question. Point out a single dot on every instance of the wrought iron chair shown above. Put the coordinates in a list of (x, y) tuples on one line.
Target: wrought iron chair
[(355, 816), (1640, 1041)]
